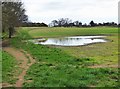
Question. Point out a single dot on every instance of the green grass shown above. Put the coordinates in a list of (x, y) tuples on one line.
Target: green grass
[(103, 53), (65, 75), (56, 32), (8, 68), (58, 67), (0, 65)]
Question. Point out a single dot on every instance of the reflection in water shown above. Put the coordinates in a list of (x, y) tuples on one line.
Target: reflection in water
[(73, 41)]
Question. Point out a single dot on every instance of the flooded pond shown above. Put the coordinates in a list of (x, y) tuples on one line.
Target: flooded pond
[(71, 41)]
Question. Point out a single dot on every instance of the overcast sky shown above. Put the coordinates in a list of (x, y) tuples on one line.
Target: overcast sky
[(82, 10)]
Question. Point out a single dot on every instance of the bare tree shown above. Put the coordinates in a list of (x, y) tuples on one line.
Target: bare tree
[(13, 15), (61, 22), (55, 23), (64, 22), (76, 23)]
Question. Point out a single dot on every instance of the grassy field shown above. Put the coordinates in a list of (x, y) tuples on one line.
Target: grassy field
[(70, 66), (9, 66), (58, 32), (103, 53)]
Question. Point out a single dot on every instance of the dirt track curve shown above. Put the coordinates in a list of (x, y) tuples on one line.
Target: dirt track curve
[(26, 61)]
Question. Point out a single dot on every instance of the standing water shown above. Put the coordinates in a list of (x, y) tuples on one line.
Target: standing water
[(72, 41)]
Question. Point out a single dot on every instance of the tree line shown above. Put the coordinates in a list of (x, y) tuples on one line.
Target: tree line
[(66, 22), (31, 24)]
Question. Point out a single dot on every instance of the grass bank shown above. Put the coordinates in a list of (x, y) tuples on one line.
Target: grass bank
[(9, 67), (103, 53)]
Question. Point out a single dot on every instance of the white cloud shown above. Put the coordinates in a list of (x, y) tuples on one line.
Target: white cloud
[(83, 10)]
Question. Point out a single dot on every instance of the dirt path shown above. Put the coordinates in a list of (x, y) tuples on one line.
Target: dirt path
[(25, 59)]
